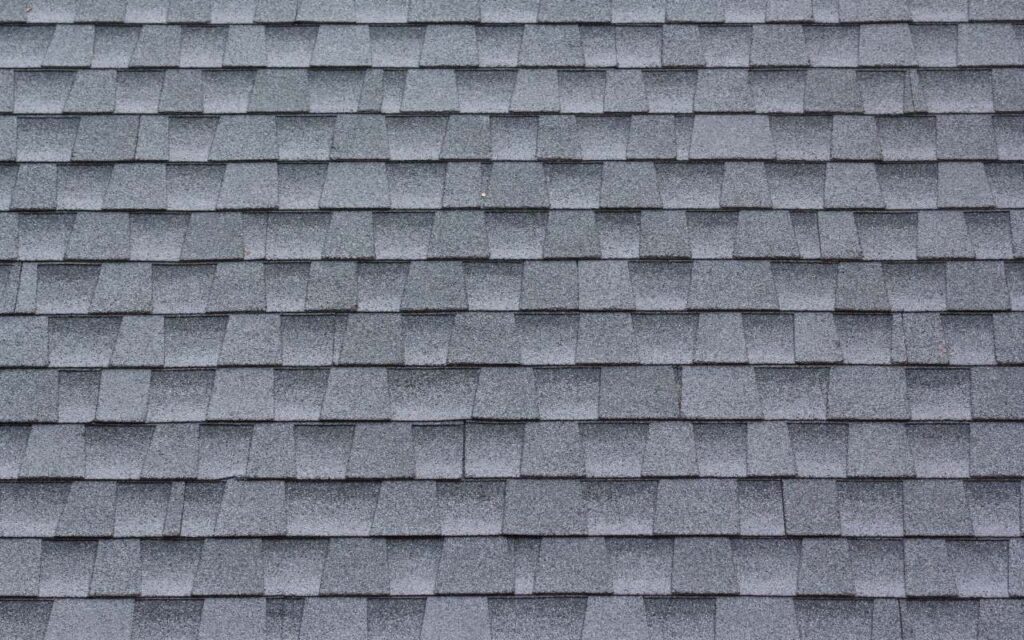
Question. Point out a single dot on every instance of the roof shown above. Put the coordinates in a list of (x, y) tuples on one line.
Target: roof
[(511, 319)]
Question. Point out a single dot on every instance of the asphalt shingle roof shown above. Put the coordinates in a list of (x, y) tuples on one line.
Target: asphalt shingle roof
[(511, 319)]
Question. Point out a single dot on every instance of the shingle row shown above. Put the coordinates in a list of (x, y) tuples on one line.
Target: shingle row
[(290, 90), (433, 185), (791, 566), (510, 450), (467, 338), (729, 392), (436, 285), (459, 45), (482, 137), (513, 618), (512, 235), (516, 507), (499, 11)]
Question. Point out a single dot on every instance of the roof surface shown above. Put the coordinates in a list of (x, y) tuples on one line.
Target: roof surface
[(511, 319)]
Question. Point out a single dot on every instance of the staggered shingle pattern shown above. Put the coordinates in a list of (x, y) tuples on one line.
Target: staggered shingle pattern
[(511, 319)]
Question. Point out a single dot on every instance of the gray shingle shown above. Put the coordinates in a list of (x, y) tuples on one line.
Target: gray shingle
[(357, 393), (992, 394), (834, 619), (493, 450), (34, 510), (454, 617), (721, 449), (717, 137), (811, 507), (24, 341), (993, 449), (573, 185), (322, 451), (761, 506), (671, 617), (153, 617), (614, 449), (767, 567), (485, 91), (122, 287), (571, 565), (439, 451), (935, 394), (369, 339), (761, 233), (871, 508), (660, 285), (737, 284), (231, 618), (720, 338), (413, 565), (65, 567), (615, 617), (552, 450), (571, 234), (619, 507), (722, 90), (35, 187), (475, 565), (336, 509), (536, 90), (941, 619), (101, 618), (471, 508), (394, 617), (801, 137), (699, 506), (237, 515), (769, 338), (116, 568), (792, 393), (33, 397), (293, 567), (867, 392), (654, 136), (877, 567), (226, 91), (89, 510), (632, 392), (546, 507), (999, 618), (140, 509), (976, 286), (774, 617), (703, 565), (969, 338), (923, 499), (719, 392), (886, 45), (542, 618)]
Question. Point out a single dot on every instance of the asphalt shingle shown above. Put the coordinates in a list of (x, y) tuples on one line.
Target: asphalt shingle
[(375, 319)]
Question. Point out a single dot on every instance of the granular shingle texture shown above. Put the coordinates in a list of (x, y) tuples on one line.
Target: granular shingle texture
[(511, 319)]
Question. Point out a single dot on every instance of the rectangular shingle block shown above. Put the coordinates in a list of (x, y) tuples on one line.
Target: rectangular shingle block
[(545, 507), (994, 392), (697, 506), (719, 392), (867, 392)]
